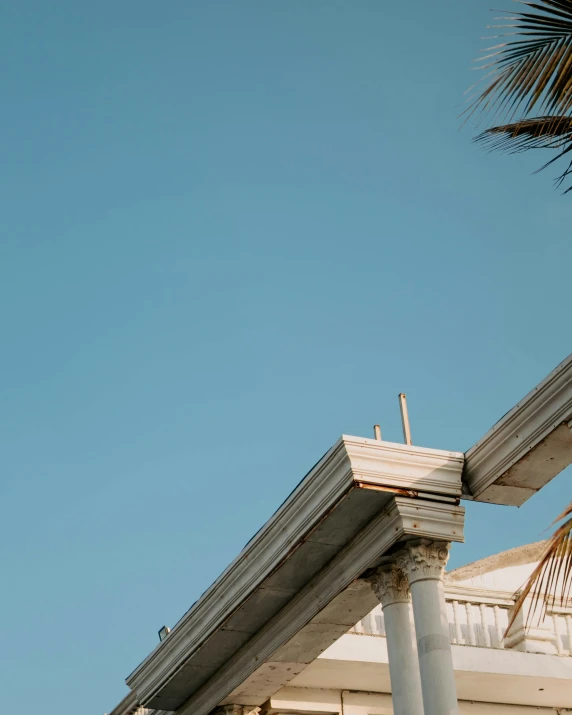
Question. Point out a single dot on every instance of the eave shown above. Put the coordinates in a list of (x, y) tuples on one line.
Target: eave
[(529, 446), (337, 518)]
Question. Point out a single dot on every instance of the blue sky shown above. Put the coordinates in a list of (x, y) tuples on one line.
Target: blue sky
[(232, 231)]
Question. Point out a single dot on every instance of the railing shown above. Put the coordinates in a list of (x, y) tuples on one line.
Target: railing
[(562, 627), (480, 623), (477, 624)]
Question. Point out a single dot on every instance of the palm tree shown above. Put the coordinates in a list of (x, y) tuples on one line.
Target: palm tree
[(528, 92), (528, 96)]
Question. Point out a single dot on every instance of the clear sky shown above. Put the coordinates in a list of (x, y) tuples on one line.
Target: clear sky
[(232, 231)]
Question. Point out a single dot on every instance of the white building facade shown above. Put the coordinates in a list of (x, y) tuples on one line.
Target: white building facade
[(492, 674)]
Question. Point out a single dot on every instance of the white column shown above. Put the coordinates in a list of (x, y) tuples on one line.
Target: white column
[(390, 586), (423, 562)]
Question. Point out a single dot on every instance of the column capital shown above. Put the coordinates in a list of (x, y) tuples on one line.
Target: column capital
[(390, 585), (423, 559)]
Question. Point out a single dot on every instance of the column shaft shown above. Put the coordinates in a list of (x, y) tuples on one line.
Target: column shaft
[(434, 648), (390, 586), (424, 562)]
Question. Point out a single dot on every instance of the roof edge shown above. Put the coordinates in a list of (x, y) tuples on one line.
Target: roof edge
[(518, 556), (527, 447)]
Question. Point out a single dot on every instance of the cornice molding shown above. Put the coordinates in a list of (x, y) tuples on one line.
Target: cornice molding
[(405, 466), (545, 409), (389, 527), (431, 519)]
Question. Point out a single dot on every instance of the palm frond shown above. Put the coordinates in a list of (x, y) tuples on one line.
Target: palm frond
[(551, 580), (533, 72), (548, 132)]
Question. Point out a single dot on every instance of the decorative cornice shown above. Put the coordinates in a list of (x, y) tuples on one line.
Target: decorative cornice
[(423, 560), (405, 466), (432, 520), (390, 585), (545, 409)]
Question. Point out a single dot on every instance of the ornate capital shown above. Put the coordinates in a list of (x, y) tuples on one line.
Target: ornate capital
[(236, 710), (423, 559), (389, 584)]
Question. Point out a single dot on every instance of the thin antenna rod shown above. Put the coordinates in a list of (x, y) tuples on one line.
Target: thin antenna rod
[(377, 432), (405, 418)]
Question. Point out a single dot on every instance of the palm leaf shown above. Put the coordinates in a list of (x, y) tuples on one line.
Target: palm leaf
[(529, 83), (535, 71), (551, 580), (549, 132)]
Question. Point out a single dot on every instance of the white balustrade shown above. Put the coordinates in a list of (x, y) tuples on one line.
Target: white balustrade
[(562, 627), (479, 624)]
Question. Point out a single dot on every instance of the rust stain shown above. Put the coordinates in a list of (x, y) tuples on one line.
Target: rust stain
[(391, 490), (412, 493)]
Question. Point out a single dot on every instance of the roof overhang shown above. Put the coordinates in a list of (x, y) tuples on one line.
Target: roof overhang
[(529, 446), (296, 588)]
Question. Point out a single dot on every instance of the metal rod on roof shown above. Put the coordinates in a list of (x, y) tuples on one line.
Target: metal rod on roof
[(377, 432), (405, 418)]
